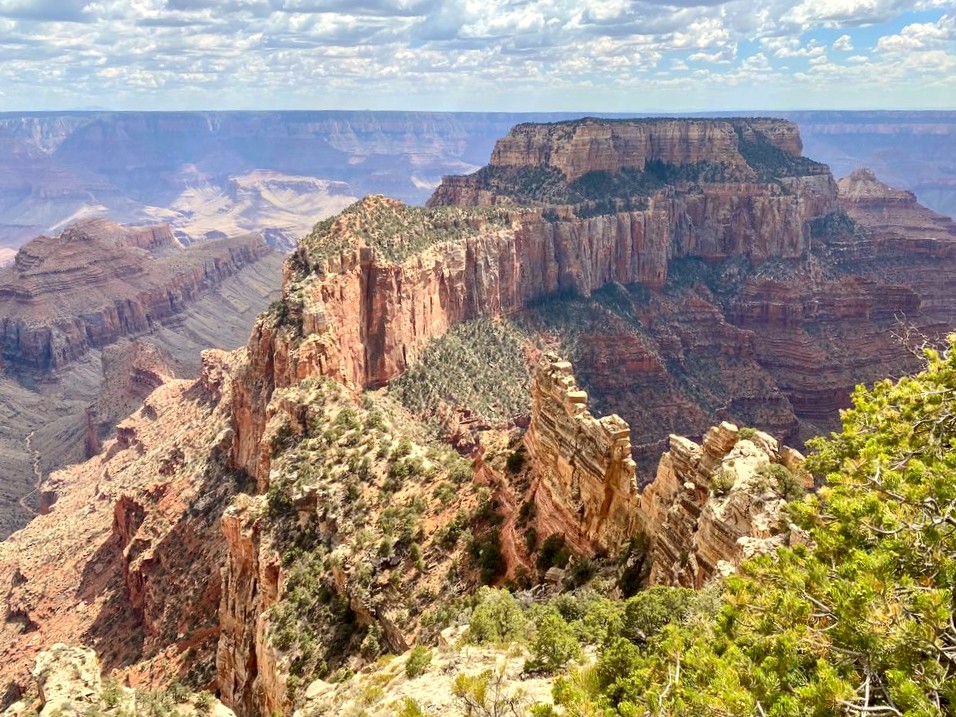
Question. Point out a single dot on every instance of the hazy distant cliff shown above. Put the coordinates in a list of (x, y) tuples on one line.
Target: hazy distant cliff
[(98, 281)]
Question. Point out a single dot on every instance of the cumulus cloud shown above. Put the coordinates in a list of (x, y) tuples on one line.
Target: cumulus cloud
[(509, 54), (844, 43), (44, 10)]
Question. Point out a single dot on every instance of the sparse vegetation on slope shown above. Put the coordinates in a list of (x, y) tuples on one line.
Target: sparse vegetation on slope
[(376, 526), (479, 366), (396, 230)]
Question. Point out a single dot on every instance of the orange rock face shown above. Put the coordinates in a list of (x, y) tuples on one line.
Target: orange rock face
[(738, 303), (127, 560), (579, 147), (584, 481)]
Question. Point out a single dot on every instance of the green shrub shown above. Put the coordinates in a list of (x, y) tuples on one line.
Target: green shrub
[(487, 695), (410, 708), (446, 493), (554, 552), (554, 645), (515, 461), (722, 481), (581, 571), (746, 433), (783, 481), (526, 512), (496, 619), (203, 702), (111, 692), (649, 611), (418, 661), (491, 560)]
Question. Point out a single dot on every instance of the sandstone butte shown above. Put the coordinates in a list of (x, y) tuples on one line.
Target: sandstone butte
[(780, 305), (150, 538)]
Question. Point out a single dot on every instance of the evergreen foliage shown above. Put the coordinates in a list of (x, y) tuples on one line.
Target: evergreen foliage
[(395, 230), (859, 621), (479, 365)]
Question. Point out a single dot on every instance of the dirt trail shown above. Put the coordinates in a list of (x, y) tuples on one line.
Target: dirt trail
[(37, 474)]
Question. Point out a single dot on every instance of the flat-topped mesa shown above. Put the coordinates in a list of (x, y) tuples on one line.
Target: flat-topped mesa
[(595, 145), (584, 480), (597, 164), (709, 188), (98, 281)]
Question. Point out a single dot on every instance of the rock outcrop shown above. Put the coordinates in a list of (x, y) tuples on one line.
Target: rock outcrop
[(709, 507), (715, 504), (127, 560), (67, 678), (368, 289), (98, 282), (245, 660), (92, 321), (579, 147), (584, 480)]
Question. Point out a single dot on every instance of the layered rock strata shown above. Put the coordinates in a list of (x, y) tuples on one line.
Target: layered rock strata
[(585, 483), (715, 504), (709, 507), (368, 289), (363, 295), (98, 282)]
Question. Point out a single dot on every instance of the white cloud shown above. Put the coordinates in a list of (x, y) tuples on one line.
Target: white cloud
[(921, 36), (446, 53), (854, 13), (843, 44)]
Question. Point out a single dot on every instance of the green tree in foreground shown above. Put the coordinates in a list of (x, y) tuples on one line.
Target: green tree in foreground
[(859, 621)]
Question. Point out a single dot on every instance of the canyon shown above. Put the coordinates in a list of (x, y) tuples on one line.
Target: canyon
[(215, 174), (283, 519), (92, 320)]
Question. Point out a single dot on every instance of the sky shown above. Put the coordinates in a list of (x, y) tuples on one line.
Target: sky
[(478, 55)]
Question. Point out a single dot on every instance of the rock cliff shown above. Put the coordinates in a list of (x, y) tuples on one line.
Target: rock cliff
[(742, 253), (136, 543), (97, 282), (91, 321), (579, 147), (713, 505), (709, 507), (584, 483)]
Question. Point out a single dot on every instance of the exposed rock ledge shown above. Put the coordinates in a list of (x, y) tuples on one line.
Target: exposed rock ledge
[(585, 479), (710, 506)]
